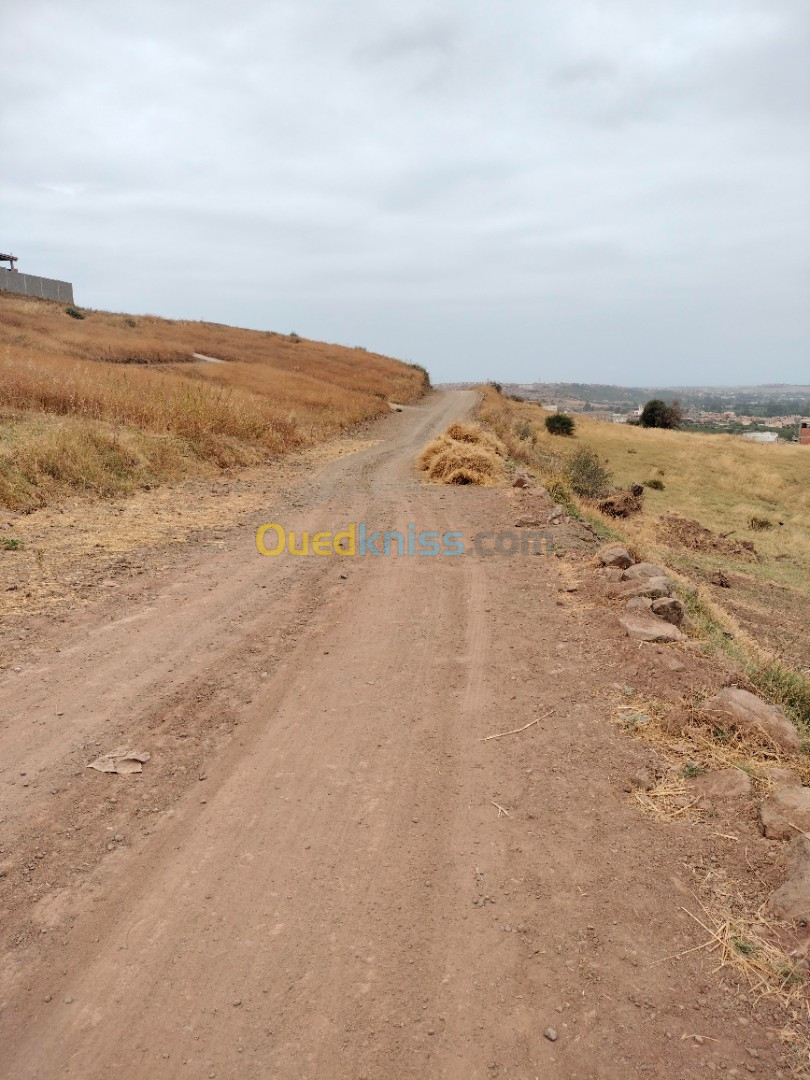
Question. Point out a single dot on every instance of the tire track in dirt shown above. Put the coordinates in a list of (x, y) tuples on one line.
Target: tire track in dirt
[(340, 897)]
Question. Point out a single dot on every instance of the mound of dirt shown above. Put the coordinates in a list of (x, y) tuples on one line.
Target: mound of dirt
[(620, 504), (691, 534)]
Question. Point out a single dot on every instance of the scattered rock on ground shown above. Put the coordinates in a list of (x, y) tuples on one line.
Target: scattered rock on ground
[(529, 523), (719, 577), (781, 776), (640, 604), (792, 899), (643, 570), (650, 587), (551, 1034), (745, 712), (521, 481), (642, 779), (648, 628), (616, 555), (785, 813), (670, 609), (715, 787)]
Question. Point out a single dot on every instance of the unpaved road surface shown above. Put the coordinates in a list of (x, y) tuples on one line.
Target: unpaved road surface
[(325, 871)]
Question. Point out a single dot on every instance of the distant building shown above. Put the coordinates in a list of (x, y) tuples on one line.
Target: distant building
[(804, 433), (762, 436)]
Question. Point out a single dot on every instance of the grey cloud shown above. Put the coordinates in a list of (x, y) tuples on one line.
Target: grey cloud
[(561, 189)]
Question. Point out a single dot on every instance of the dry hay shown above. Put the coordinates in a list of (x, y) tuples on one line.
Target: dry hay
[(432, 450), (669, 800), (760, 951), (473, 433), (464, 455), (754, 948), (478, 465), (699, 742), (674, 529)]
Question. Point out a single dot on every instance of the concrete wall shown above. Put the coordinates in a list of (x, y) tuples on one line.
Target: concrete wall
[(31, 285)]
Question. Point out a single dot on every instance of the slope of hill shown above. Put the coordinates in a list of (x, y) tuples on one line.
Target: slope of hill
[(105, 403), (731, 517)]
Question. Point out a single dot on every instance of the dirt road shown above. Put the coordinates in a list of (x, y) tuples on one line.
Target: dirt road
[(324, 871)]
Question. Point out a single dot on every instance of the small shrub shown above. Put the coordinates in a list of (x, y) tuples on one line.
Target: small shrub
[(559, 490), (130, 323), (74, 313), (656, 484), (560, 424), (587, 473), (524, 430), (10, 543), (496, 386), (425, 376), (759, 524), (294, 338)]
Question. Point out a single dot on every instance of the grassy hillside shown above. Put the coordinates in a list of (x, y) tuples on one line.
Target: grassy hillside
[(739, 490), (108, 403), (719, 504)]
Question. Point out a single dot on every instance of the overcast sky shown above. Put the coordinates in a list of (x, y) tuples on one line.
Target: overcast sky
[(613, 191)]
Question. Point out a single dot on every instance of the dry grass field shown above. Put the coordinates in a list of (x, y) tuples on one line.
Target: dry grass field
[(110, 403), (731, 517)]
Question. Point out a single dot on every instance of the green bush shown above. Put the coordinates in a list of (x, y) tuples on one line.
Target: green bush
[(560, 424), (655, 484), (74, 313), (524, 430), (587, 473)]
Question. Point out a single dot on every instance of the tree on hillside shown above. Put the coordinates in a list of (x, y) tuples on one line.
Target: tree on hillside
[(560, 424), (657, 413)]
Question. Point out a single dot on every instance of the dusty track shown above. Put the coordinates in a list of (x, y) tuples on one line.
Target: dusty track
[(315, 880)]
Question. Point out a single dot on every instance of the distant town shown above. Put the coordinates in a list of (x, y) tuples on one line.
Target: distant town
[(763, 413)]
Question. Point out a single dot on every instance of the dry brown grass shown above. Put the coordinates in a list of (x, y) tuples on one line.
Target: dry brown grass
[(100, 404), (745, 941), (464, 454), (699, 523), (699, 744)]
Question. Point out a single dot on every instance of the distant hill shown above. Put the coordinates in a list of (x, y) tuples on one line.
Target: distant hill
[(774, 399)]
